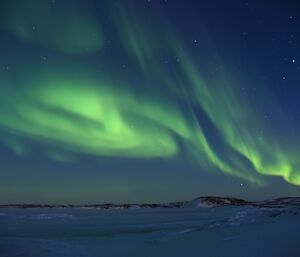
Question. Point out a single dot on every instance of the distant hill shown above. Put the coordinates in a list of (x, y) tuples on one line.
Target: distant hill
[(200, 202)]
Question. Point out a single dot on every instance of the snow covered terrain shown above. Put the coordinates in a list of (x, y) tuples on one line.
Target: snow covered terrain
[(207, 226)]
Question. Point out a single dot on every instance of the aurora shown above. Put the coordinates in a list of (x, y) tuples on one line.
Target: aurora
[(125, 83)]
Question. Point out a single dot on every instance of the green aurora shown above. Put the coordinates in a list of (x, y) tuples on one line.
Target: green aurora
[(100, 111)]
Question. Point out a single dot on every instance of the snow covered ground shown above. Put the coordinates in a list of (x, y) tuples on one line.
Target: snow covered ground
[(196, 229)]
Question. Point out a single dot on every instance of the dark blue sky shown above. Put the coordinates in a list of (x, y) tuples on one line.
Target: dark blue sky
[(148, 100)]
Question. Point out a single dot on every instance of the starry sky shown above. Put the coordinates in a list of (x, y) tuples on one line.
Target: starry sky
[(148, 100)]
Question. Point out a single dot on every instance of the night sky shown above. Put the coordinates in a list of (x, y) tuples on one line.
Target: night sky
[(148, 100)]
